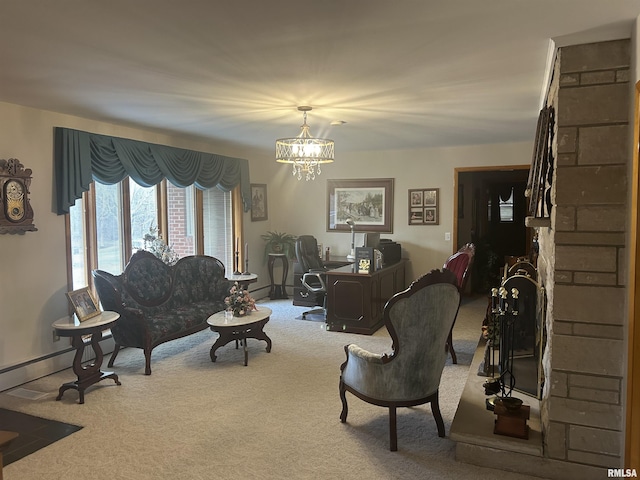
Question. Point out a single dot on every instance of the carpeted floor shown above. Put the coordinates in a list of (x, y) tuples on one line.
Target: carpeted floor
[(276, 418), (34, 433)]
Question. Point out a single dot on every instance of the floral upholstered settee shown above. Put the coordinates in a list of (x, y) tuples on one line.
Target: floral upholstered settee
[(158, 302)]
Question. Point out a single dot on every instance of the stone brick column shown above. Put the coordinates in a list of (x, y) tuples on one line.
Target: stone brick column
[(583, 256)]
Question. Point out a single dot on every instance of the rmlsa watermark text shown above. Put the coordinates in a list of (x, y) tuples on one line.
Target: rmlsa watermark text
[(622, 473)]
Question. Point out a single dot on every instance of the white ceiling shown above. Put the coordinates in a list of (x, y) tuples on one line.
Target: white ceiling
[(400, 73)]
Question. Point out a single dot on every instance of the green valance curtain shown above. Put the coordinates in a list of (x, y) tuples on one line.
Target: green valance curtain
[(81, 157)]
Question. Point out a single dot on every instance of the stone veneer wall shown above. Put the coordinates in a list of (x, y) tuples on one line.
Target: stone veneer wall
[(582, 257)]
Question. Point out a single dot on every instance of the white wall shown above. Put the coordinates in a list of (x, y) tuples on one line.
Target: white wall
[(299, 207), (33, 265)]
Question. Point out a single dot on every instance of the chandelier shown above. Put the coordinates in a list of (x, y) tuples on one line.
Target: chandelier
[(304, 152)]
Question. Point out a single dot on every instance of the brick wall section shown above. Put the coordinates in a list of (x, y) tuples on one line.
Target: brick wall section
[(179, 238), (583, 408)]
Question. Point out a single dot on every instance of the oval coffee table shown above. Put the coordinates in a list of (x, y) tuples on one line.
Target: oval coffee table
[(239, 329)]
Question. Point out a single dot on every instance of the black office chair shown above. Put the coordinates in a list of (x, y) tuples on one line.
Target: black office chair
[(313, 272)]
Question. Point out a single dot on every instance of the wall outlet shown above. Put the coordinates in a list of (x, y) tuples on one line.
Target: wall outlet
[(447, 236), (56, 338)]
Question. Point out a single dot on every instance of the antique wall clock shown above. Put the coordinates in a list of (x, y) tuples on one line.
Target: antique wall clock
[(16, 214)]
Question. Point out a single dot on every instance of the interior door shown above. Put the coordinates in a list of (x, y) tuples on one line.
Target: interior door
[(506, 211)]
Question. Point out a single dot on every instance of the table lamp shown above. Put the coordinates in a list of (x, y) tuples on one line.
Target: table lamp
[(352, 224)]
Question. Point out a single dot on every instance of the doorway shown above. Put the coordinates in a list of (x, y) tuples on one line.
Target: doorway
[(490, 211)]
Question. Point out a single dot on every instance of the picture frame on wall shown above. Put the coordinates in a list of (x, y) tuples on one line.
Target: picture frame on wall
[(84, 304), (368, 202), (424, 206), (258, 202)]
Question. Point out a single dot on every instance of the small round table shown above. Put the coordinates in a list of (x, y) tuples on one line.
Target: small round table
[(278, 291), (244, 279), (239, 328), (89, 374)]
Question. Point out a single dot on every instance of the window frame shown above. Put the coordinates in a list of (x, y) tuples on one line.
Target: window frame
[(88, 202)]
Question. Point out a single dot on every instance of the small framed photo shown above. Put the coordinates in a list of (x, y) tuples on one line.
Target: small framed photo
[(416, 198), (83, 303), (430, 216), (258, 202), (416, 216), (424, 206)]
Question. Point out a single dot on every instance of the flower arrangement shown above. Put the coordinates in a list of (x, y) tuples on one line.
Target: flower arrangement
[(154, 243), (239, 301)]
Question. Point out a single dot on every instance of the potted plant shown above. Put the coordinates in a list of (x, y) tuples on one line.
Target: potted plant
[(277, 242)]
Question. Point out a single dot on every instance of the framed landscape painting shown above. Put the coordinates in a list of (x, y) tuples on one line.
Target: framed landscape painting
[(368, 202)]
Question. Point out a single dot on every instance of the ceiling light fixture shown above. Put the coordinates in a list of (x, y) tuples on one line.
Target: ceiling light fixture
[(304, 152)]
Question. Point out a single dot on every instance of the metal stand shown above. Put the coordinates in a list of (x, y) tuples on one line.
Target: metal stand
[(503, 318)]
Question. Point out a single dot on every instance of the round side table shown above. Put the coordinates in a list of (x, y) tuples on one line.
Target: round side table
[(244, 279), (88, 374)]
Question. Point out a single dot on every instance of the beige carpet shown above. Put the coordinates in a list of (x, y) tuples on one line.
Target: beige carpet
[(276, 418)]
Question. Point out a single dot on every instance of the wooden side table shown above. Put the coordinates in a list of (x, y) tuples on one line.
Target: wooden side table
[(89, 374), (278, 291)]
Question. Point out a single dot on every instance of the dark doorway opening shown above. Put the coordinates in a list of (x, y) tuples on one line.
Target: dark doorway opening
[(491, 211)]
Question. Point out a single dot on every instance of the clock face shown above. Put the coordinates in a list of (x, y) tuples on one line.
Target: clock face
[(14, 200)]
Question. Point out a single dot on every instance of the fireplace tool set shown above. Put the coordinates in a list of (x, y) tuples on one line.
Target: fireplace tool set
[(511, 415)]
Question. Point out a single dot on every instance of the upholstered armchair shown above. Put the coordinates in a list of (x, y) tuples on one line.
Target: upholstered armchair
[(460, 264), (419, 320), (313, 271)]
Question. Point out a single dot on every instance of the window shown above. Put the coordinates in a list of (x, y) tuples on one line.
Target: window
[(78, 253), (144, 213), (506, 208), (109, 223), (108, 208), (217, 226)]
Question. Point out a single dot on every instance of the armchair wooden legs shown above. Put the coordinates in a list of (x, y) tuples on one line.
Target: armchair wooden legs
[(345, 408), (437, 416), (449, 347), (393, 429)]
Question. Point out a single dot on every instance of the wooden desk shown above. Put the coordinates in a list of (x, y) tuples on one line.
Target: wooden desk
[(355, 301), (89, 374)]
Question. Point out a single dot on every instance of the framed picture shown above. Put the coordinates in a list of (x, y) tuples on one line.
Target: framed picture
[(424, 206), (83, 303), (368, 202), (258, 202)]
